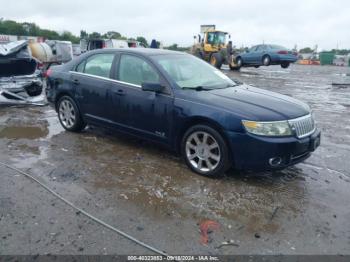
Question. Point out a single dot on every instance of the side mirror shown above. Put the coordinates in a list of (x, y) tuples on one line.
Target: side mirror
[(154, 87)]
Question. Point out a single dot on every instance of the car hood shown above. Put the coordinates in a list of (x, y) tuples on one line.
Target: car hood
[(251, 103)]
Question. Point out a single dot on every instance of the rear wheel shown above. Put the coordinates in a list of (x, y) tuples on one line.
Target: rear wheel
[(284, 64), (69, 115), (216, 60), (266, 60), (205, 151)]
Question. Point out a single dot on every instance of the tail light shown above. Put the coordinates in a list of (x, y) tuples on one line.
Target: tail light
[(103, 44), (282, 52)]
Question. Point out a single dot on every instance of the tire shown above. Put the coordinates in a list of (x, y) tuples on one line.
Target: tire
[(69, 115), (216, 60), (34, 90), (284, 64), (266, 60), (256, 66), (239, 62), (234, 68), (205, 151)]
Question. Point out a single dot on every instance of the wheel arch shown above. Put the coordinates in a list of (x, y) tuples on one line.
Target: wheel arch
[(66, 93), (265, 55), (201, 120), (239, 57)]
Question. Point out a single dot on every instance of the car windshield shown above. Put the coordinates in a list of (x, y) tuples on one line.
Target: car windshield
[(216, 38), (190, 72)]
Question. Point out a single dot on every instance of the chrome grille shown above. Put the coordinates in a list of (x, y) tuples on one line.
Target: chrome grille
[(303, 126)]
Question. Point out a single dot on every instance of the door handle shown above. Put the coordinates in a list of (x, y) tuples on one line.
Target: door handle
[(119, 92), (76, 82)]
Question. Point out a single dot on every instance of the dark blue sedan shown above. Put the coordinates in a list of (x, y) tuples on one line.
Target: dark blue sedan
[(267, 55), (187, 105)]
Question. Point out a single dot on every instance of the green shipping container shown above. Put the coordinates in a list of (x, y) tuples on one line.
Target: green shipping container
[(326, 58)]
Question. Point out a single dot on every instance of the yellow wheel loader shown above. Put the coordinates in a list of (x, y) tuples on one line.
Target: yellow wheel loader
[(212, 47)]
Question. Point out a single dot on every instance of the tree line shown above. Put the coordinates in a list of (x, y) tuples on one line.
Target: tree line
[(9, 27), (308, 50)]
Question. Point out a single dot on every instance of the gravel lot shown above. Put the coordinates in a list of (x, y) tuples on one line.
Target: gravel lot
[(149, 193)]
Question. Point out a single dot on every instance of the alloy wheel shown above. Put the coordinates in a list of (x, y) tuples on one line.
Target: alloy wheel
[(67, 113), (266, 61), (203, 151)]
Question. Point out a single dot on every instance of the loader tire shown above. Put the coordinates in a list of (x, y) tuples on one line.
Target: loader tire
[(216, 60)]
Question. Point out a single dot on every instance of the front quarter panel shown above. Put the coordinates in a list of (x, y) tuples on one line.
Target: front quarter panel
[(187, 111)]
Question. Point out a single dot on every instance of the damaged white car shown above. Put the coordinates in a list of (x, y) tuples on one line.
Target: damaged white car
[(20, 82)]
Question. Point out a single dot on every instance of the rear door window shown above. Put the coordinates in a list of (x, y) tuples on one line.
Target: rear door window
[(253, 48), (135, 70), (99, 65), (260, 48)]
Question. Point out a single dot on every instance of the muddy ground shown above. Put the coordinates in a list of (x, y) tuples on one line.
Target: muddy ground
[(149, 193)]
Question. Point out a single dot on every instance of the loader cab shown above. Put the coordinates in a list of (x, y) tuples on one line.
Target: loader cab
[(214, 40)]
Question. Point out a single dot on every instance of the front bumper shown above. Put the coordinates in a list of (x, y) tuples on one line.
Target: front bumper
[(251, 152)]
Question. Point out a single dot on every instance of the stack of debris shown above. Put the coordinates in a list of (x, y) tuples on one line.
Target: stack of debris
[(20, 82)]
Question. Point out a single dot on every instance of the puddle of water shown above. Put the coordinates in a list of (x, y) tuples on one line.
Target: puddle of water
[(23, 132)]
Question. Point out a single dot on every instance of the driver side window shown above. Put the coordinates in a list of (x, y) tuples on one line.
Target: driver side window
[(135, 70)]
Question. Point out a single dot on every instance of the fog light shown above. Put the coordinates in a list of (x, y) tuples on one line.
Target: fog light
[(275, 161)]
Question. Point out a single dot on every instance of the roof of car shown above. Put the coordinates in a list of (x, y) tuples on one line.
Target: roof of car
[(143, 51)]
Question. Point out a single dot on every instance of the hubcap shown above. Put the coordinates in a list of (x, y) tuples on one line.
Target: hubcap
[(239, 62), (67, 113), (266, 61), (202, 151)]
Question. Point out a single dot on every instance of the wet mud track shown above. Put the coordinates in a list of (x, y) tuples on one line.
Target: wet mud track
[(150, 193)]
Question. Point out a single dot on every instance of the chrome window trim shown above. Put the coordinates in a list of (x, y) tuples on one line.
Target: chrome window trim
[(105, 78), (138, 87)]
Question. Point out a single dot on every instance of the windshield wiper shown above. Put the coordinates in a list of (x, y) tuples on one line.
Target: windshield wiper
[(197, 88)]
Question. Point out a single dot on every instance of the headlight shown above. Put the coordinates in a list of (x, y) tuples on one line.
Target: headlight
[(278, 128)]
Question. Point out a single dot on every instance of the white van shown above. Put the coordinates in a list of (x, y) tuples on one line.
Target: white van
[(87, 45)]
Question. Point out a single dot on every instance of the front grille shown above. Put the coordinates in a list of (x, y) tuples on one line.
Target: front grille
[(303, 126)]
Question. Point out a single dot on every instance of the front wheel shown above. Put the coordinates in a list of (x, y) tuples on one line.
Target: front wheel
[(69, 115), (205, 151), (239, 62), (234, 68), (285, 65), (216, 60)]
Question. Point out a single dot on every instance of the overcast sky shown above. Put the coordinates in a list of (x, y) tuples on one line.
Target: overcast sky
[(285, 22)]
